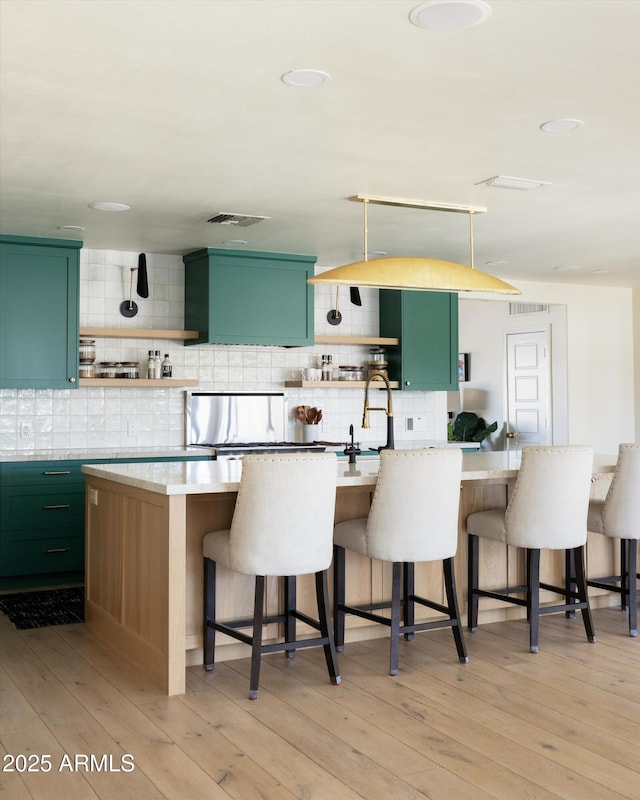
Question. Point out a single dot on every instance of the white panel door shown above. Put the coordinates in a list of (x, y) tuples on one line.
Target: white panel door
[(528, 383)]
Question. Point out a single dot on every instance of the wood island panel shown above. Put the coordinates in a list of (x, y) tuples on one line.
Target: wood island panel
[(135, 581), (144, 572)]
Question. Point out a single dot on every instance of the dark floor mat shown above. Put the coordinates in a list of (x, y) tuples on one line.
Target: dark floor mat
[(44, 608)]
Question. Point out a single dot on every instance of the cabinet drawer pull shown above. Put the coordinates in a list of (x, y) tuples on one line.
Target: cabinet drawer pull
[(62, 505), (57, 550), (61, 472)]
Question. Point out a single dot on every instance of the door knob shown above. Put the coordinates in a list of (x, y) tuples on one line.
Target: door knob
[(511, 435)]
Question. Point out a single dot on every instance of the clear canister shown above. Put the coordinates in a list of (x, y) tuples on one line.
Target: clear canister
[(378, 365), (108, 369), (87, 370), (350, 373), (87, 351), (129, 369)]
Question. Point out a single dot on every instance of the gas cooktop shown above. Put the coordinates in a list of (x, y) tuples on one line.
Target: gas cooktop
[(261, 447)]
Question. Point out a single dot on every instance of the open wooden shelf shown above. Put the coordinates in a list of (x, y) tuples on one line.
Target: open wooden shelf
[(378, 341), (138, 333), (338, 384), (133, 383)]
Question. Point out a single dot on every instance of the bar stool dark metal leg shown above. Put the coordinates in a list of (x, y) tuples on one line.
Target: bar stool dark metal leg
[(452, 605), (472, 582), (570, 582), (583, 597), (209, 599), (408, 591), (324, 617), (395, 618), (256, 644), (338, 596), (632, 577), (625, 575), (289, 608), (533, 596)]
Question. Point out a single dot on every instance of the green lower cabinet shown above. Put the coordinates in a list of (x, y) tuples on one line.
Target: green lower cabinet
[(427, 325), (39, 312), (41, 523), (42, 553), (244, 297), (34, 507), (42, 513)]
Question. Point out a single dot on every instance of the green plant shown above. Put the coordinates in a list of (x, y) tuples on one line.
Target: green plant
[(469, 427)]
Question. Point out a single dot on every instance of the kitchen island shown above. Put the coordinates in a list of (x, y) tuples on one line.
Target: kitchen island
[(144, 529)]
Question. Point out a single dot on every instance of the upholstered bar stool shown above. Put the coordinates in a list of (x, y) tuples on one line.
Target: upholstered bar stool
[(282, 526), (618, 516), (547, 511), (413, 518)]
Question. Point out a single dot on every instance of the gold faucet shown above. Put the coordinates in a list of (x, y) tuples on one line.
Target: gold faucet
[(378, 376)]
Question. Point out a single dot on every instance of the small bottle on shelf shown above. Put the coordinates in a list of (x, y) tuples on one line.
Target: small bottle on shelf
[(327, 368), (167, 367), (157, 365), (151, 366)]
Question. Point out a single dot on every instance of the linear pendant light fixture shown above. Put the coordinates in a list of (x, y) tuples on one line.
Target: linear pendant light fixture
[(426, 274)]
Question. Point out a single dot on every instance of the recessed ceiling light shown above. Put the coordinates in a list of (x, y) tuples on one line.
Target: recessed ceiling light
[(567, 268), (306, 78), (450, 15), (376, 253), (495, 263), (109, 206), (561, 125), (507, 182), (231, 242), (70, 228), (600, 271)]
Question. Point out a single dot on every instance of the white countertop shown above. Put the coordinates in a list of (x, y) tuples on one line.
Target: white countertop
[(85, 454), (214, 477), (7, 456)]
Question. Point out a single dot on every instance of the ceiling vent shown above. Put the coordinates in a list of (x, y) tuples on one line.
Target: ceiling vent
[(243, 220), (507, 182), (528, 308)]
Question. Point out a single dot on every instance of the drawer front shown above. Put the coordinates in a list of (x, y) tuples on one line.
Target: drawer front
[(42, 552), (28, 507), (41, 473)]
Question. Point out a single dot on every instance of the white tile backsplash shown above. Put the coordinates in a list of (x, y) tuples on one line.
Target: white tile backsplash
[(140, 417)]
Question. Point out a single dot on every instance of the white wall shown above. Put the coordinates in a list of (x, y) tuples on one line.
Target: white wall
[(636, 356), (600, 358), (483, 328)]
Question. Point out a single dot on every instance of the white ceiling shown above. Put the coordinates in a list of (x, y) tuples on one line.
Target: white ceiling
[(177, 108)]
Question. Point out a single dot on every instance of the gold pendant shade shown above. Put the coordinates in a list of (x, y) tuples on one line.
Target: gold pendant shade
[(427, 274), (413, 272)]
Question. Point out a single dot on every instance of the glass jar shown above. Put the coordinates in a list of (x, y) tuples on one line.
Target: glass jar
[(87, 351), (87, 370), (108, 369), (377, 363), (129, 369), (351, 374), (376, 355)]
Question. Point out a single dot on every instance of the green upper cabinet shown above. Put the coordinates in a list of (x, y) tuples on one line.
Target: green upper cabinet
[(39, 312), (427, 325), (244, 297)]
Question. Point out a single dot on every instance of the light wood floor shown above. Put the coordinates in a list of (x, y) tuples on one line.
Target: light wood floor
[(564, 723)]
